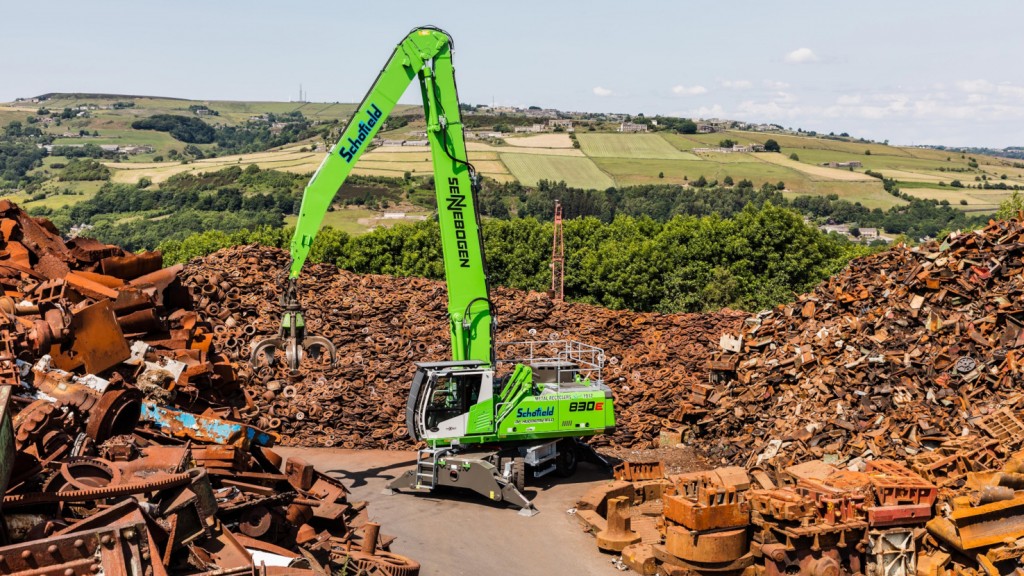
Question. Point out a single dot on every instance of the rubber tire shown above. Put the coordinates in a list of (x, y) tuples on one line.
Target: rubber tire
[(519, 473), (567, 459)]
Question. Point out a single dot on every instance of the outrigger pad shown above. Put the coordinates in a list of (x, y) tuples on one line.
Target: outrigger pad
[(406, 481), (528, 511)]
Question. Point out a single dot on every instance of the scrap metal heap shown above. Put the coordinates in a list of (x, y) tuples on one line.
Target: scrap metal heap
[(901, 354), (382, 326), (123, 447), (810, 519), (910, 353)]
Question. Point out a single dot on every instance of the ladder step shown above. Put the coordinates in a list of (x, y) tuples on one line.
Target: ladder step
[(426, 468)]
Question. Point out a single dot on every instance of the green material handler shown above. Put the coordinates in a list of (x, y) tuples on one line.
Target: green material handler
[(485, 423)]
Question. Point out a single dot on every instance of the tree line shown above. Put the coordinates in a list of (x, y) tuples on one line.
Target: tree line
[(16, 159), (138, 217), (756, 259), (916, 219), (249, 137)]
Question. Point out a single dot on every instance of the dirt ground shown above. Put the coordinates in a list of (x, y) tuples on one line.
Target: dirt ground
[(460, 533)]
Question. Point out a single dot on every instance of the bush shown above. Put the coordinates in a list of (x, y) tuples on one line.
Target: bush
[(183, 128), (87, 169), (793, 156), (771, 145)]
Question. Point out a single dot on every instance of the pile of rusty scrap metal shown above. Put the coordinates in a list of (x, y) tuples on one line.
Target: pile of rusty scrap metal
[(812, 519), (122, 443), (382, 325), (903, 352)]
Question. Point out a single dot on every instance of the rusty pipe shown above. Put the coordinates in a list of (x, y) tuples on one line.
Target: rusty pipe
[(371, 530), (1011, 480), (989, 494)]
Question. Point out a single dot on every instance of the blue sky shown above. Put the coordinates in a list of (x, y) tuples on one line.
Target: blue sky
[(933, 72)]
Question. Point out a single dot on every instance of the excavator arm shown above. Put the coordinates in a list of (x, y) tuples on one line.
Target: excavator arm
[(426, 54)]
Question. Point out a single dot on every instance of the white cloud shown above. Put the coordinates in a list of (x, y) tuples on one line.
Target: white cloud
[(688, 90), (848, 99), (975, 86), (776, 84), (801, 55), (782, 96), (602, 91), (1011, 91), (737, 84)]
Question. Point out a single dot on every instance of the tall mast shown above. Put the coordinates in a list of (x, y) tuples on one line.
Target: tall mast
[(558, 257)]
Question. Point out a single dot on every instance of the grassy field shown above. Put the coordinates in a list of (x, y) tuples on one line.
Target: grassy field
[(976, 200), (578, 172), (869, 194), (918, 170), (910, 178), (287, 160), (395, 161), (476, 147), (647, 146), (10, 114), (59, 194), (628, 171), (356, 221), (346, 220), (684, 142), (161, 142), (787, 141), (812, 171), (540, 141)]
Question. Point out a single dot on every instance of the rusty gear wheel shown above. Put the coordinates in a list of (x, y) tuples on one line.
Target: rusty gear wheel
[(381, 563), (85, 473)]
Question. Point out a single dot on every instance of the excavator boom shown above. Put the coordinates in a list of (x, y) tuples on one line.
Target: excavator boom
[(426, 54)]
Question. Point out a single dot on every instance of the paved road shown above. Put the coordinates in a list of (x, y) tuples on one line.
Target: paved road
[(453, 534)]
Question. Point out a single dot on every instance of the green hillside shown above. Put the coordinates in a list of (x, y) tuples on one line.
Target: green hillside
[(595, 156)]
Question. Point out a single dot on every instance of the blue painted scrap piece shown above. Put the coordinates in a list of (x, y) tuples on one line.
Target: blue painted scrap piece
[(204, 428)]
